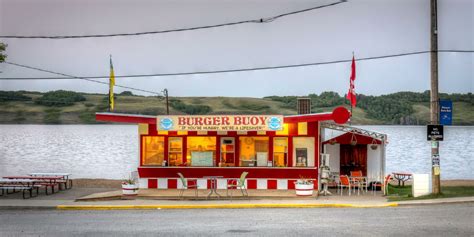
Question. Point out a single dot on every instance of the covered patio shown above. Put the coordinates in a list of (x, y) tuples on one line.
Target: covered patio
[(354, 149)]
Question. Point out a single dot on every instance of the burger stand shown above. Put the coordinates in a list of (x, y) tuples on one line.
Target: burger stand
[(275, 150)]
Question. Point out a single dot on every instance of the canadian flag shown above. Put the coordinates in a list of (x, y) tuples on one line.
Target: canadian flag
[(351, 95)]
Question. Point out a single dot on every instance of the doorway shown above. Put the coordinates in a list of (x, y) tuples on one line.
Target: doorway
[(353, 158)]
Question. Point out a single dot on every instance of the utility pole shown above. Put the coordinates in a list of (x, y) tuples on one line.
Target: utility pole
[(434, 99), (165, 91)]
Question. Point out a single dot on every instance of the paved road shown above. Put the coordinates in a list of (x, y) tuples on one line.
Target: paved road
[(434, 220)]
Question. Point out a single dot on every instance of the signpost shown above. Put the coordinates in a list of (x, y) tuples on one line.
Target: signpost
[(435, 132)]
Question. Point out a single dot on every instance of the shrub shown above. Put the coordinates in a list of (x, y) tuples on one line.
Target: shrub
[(190, 109), (129, 93), (60, 98), (13, 96)]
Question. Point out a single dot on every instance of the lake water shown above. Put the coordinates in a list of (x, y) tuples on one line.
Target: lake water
[(111, 151)]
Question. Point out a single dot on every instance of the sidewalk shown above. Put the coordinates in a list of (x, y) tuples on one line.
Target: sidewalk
[(150, 200)]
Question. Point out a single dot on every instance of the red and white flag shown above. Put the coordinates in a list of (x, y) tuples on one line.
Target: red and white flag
[(351, 95)]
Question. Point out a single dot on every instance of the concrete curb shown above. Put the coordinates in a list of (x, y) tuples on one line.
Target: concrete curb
[(28, 207), (219, 206), (412, 203)]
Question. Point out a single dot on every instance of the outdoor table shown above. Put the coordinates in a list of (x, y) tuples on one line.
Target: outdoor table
[(358, 180), (29, 184), (213, 186), (18, 181), (402, 177), (51, 180), (64, 175)]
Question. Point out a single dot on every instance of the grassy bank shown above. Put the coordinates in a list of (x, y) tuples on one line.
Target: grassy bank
[(396, 193), (25, 109)]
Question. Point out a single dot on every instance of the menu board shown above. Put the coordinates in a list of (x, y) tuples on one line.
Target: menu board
[(262, 158), (201, 158)]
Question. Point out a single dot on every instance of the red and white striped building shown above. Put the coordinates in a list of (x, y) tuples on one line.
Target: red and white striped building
[(275, 150)]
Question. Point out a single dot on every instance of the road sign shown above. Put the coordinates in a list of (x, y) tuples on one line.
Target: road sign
[(445, 112), (435, 132)]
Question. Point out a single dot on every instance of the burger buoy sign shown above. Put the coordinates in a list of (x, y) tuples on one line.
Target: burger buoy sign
[(220, 123)]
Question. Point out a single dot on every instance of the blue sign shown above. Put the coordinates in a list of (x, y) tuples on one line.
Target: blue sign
[(274, 123), (445, 112), (166, 123)]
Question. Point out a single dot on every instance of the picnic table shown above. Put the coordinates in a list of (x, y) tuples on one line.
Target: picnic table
[(402, 177), (65, 176), (26, 185), (46, 181)]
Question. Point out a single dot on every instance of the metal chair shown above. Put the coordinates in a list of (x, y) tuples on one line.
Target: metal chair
[(344, 182), (383, 186), (186, 185), (359, 180), (238, 184)]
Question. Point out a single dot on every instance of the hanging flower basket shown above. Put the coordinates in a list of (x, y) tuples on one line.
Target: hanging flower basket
[(374, 145), (353, 140)]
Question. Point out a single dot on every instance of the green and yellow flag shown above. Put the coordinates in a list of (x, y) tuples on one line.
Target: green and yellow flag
[(111, 86)]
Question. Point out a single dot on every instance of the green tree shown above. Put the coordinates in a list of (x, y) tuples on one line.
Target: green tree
[(3, 56)]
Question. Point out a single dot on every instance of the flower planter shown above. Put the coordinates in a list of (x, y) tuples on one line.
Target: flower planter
[(304, 189), (129, 189)]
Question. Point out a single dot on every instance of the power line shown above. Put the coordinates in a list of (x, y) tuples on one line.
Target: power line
[(260, 20), (221, 71), (82, 78)]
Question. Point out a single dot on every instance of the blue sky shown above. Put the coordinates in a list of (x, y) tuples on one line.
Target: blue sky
[(367, 27)]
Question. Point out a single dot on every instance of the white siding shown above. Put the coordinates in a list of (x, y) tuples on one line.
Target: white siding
[(374, 163), (334, 156)]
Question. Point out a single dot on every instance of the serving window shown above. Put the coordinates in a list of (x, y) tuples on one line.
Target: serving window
[(280, 151), (175, 151), (253, 151), (153, 150), (201, 151)]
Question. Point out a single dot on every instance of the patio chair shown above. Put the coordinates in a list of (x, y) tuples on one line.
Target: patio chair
[(344, 182), (238, 184), (186, 185), (359, 180), (383, 186)]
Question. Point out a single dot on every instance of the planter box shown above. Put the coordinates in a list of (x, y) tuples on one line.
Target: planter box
[(304, 189), (129, 189)]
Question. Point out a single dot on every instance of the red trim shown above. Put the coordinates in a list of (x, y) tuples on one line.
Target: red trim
[(141, 149), (251, 183), (271, 184), (339, 115), (304, 189), (290, 152), (346, 139), (130, 189), (172, 183), (166, 153), (124, 118), (291, 183), (185, 150), (152, 183), (228, 172)]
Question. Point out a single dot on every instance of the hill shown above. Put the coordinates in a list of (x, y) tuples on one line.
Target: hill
[(63, 107)]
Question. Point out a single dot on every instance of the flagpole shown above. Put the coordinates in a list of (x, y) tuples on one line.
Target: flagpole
[(110, 55), (350, 120)]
